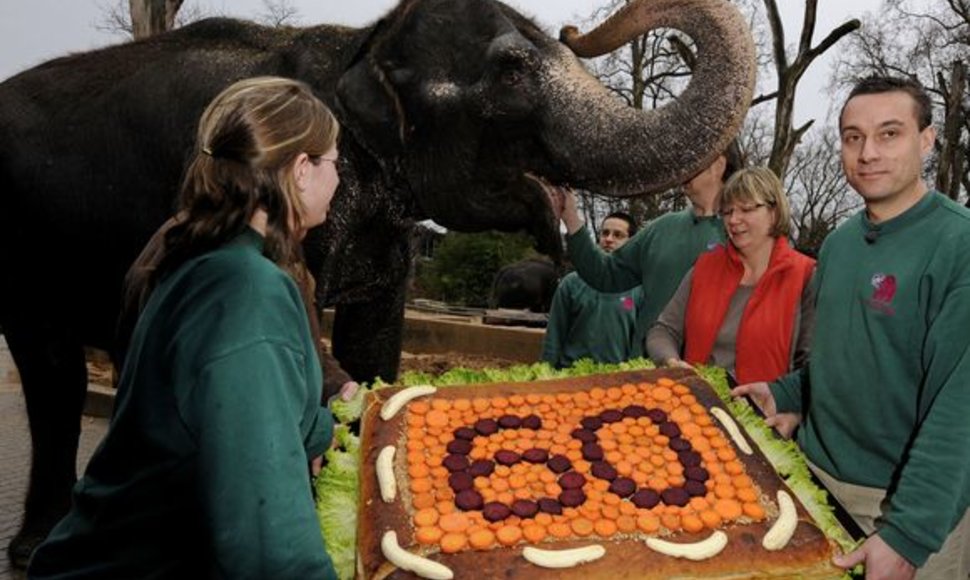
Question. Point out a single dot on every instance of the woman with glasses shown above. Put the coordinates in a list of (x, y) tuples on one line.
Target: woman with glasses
[(747, 305), (204, 471)]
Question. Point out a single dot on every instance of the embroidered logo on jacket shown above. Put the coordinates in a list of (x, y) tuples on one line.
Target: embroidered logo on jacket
[(627, 303), (884, 289)]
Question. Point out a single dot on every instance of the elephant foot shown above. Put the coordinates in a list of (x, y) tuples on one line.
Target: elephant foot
[(33, 531), (22, 546)]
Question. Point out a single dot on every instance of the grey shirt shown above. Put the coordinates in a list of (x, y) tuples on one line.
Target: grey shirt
[(665, 340)]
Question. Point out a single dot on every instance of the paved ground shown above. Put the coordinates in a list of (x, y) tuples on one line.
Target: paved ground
[(15, 454)]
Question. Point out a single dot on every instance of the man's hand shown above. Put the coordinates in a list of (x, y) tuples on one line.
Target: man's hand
[(880, 560), (760, 393), (316, 465), (562, 201), (784, 423)]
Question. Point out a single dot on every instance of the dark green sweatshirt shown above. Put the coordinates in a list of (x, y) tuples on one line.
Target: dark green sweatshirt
[(657, 258), (887, 388), (586, 323), (204, 470)]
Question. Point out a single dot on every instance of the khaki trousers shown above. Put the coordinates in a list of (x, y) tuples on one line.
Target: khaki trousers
[(866, 504)]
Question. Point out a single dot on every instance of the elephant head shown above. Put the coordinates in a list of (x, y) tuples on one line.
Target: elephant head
[(464, 100)]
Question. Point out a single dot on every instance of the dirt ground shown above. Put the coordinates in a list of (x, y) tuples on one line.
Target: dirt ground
[(436, 364)]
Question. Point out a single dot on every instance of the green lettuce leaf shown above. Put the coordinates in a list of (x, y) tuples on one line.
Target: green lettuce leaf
[(336, 490), (786, 457)]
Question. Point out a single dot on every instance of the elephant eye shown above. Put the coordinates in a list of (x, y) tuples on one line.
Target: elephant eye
[(511, 76)]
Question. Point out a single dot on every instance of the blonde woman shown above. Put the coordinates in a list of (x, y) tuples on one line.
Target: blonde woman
[(204, 470), (747, 305)]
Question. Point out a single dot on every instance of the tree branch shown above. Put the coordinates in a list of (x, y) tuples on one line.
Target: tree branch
[(777, 35)]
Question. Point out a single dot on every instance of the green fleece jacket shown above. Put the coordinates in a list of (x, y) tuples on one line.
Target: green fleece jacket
[(204, 470), (656, 258), (586, 323), (887, 389)]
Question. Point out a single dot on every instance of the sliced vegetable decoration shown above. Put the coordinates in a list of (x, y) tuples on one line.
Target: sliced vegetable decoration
[(337, 484)]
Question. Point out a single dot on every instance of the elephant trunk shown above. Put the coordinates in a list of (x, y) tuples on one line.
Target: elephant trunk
[(620, 151)]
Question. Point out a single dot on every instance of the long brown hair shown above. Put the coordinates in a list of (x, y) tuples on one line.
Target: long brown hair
[(248, 137)]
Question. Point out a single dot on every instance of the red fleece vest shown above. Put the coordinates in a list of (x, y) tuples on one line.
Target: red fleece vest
[(764, 341)]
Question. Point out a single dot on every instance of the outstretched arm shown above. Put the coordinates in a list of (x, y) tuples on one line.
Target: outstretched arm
[(614, 272)]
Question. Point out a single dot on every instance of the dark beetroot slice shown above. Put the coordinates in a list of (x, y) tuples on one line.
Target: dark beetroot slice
[(550, 506), (635, 411), (611, 416), (572, 480), (559, 464), (697, 473), (675, 496), (494, 511), (689, 458), (536, 455), (680, 444), (572, 497), (695, 488), (657, 416), (670, 429), (466, 433), (584, 435), (591, 423), (509, 422), (506, 457), (469, 499), (532, 422), (604, 470), (525, 508), (623, 486), (461, 480), (459, 446), (481, 468), (645, 498), (455, 462), (592, 452), (486, 426)]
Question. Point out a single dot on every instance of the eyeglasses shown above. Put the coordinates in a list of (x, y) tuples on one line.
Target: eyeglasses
[(744, 210)]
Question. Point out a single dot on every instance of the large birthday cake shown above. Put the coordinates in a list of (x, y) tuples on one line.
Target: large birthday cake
[(639, 474)]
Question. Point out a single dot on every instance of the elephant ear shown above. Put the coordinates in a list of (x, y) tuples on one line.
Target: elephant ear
[(371, 107), (366, 95)]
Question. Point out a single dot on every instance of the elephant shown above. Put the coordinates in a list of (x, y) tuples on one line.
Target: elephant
[(526, 284), (451, 110)]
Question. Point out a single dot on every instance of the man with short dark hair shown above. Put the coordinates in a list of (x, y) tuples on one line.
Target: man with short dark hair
[(586, 323), (886, 394)]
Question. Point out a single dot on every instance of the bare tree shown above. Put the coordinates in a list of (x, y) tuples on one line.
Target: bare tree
[(117, 16), (789, 72), (819, 194), (279, 13), (150, 17), (929, 42)]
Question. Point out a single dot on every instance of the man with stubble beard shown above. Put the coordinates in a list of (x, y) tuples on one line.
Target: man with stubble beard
[(886, 394)]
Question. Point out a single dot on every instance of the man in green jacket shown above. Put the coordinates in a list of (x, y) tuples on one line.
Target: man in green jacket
[(886, 394), (586, 323), (659, 255)]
